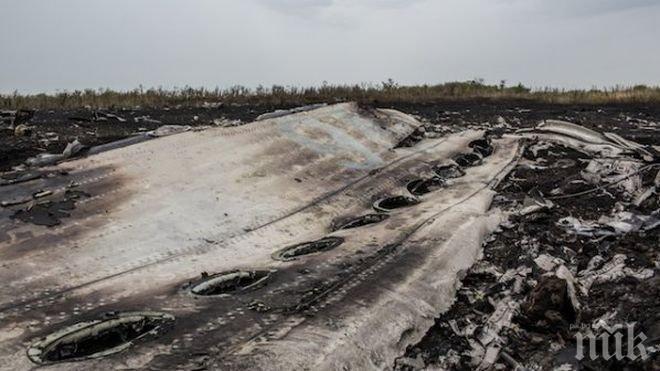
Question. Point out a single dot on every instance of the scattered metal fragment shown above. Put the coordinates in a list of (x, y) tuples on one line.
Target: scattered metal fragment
[(608, 145), (534, 201), (146, 119), (486, 346), (41, 194), (610, 271), (45, 159), (624, 174), (619, 223), (104, 116)]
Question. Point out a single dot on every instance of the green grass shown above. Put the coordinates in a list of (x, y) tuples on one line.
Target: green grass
[(387, 92)]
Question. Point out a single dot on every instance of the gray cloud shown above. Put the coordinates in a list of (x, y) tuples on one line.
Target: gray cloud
[(73, 44), (591, 7)]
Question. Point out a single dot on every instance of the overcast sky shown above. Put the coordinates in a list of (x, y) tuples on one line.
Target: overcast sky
[(49, 45)]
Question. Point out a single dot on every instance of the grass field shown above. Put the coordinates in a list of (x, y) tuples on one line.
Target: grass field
[(386, 92)]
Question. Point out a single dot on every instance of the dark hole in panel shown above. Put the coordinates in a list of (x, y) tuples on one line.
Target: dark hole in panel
[(98, 338), (420, 187), (305, 248), (449, 171), (395, 202)]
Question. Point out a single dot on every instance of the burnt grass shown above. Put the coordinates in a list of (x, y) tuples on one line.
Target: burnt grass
[(542, 335)]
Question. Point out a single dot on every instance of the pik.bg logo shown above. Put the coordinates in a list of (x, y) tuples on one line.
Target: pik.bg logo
[(618, 342)]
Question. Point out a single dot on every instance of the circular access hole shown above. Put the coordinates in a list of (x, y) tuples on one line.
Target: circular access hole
[(468, 159), (229, 282), (420, 187), (395, 202), (305, 248), (482, 147), (449, 171), (362, 221), (483, 142), (98, 338)]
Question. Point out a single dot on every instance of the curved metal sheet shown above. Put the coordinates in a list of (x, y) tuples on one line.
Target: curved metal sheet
[(161, 213)]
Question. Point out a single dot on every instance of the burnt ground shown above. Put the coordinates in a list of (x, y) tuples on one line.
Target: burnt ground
[(541, 334), (49, 131)]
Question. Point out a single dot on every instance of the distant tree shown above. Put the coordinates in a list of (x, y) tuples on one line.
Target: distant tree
[(389, 84)]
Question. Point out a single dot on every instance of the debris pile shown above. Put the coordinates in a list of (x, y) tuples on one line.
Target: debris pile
[(580, 249)]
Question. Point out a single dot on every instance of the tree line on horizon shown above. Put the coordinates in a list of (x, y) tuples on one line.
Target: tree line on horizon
[(386, 92)]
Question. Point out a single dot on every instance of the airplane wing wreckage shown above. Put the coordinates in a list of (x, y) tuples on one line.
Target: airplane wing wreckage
[(306, 241)]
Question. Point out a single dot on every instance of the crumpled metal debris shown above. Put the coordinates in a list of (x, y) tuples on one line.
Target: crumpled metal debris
[(580, 227), (624, 174), (535, 201), (619, 223), (598, 272), (105, 116), (607, 145), (548, 263), (487, 345), (559, 295), (146, 119), (626, 222), (648, 192), (44, 159)]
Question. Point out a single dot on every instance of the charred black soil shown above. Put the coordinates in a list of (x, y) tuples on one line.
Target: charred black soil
[(542, 333), (543, 328)]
